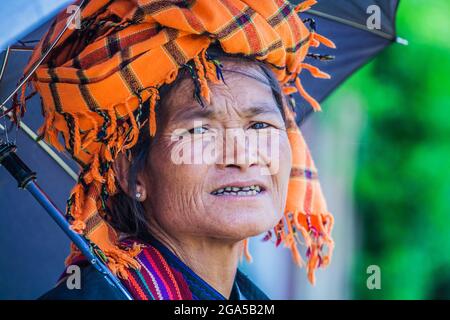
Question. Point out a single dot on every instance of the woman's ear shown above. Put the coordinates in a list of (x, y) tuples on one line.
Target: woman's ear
[(141, 188), (121, 167)]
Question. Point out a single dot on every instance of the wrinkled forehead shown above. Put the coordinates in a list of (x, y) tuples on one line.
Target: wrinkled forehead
[(245, 85)]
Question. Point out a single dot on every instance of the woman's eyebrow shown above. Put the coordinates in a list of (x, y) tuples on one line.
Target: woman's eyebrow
[(261, 108), (195, 112), (208, 112)]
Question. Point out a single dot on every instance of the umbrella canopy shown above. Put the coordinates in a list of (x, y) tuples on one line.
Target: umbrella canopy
[(19, 17), (35, 246), (345, 22)]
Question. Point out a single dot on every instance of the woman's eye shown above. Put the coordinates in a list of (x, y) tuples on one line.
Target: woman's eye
[(198, 130), (259, 125)]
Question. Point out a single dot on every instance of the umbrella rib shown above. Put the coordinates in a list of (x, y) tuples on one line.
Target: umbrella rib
[(5, 61), (352, 24), (22, 48)]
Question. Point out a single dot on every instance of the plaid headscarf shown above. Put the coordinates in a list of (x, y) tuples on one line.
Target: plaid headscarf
[(95, 80)]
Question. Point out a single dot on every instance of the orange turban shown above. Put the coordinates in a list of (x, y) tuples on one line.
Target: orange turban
[(95, 80)]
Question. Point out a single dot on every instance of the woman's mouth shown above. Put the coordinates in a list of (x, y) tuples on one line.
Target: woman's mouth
[(246, 191)]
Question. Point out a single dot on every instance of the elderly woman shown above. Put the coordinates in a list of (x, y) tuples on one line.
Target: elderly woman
[(179, 114)]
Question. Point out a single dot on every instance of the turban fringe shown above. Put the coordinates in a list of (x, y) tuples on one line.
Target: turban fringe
[(95, 80)]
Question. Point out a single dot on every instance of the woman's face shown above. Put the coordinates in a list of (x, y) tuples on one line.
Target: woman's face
[(221, 171)]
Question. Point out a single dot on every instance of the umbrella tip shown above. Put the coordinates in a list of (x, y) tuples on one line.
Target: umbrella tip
[(402, 41)]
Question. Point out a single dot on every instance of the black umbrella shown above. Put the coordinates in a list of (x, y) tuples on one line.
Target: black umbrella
[(27, 235), (349, 24)]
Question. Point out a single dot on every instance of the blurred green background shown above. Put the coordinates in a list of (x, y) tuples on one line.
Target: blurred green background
[(402, 172)]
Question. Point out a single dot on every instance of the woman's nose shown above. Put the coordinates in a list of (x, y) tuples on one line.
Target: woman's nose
[(239, 150)]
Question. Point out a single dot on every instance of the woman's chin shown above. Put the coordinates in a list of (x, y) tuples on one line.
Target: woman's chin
[(242, 224)]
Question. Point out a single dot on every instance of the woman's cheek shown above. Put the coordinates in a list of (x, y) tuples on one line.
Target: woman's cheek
[(271, 151), (285, 169)]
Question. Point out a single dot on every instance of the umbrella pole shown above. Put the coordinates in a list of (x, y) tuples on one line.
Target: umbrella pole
[(26, 180)]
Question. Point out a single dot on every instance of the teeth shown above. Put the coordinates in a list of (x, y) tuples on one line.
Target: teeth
[(247, 193), (238, 191)]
